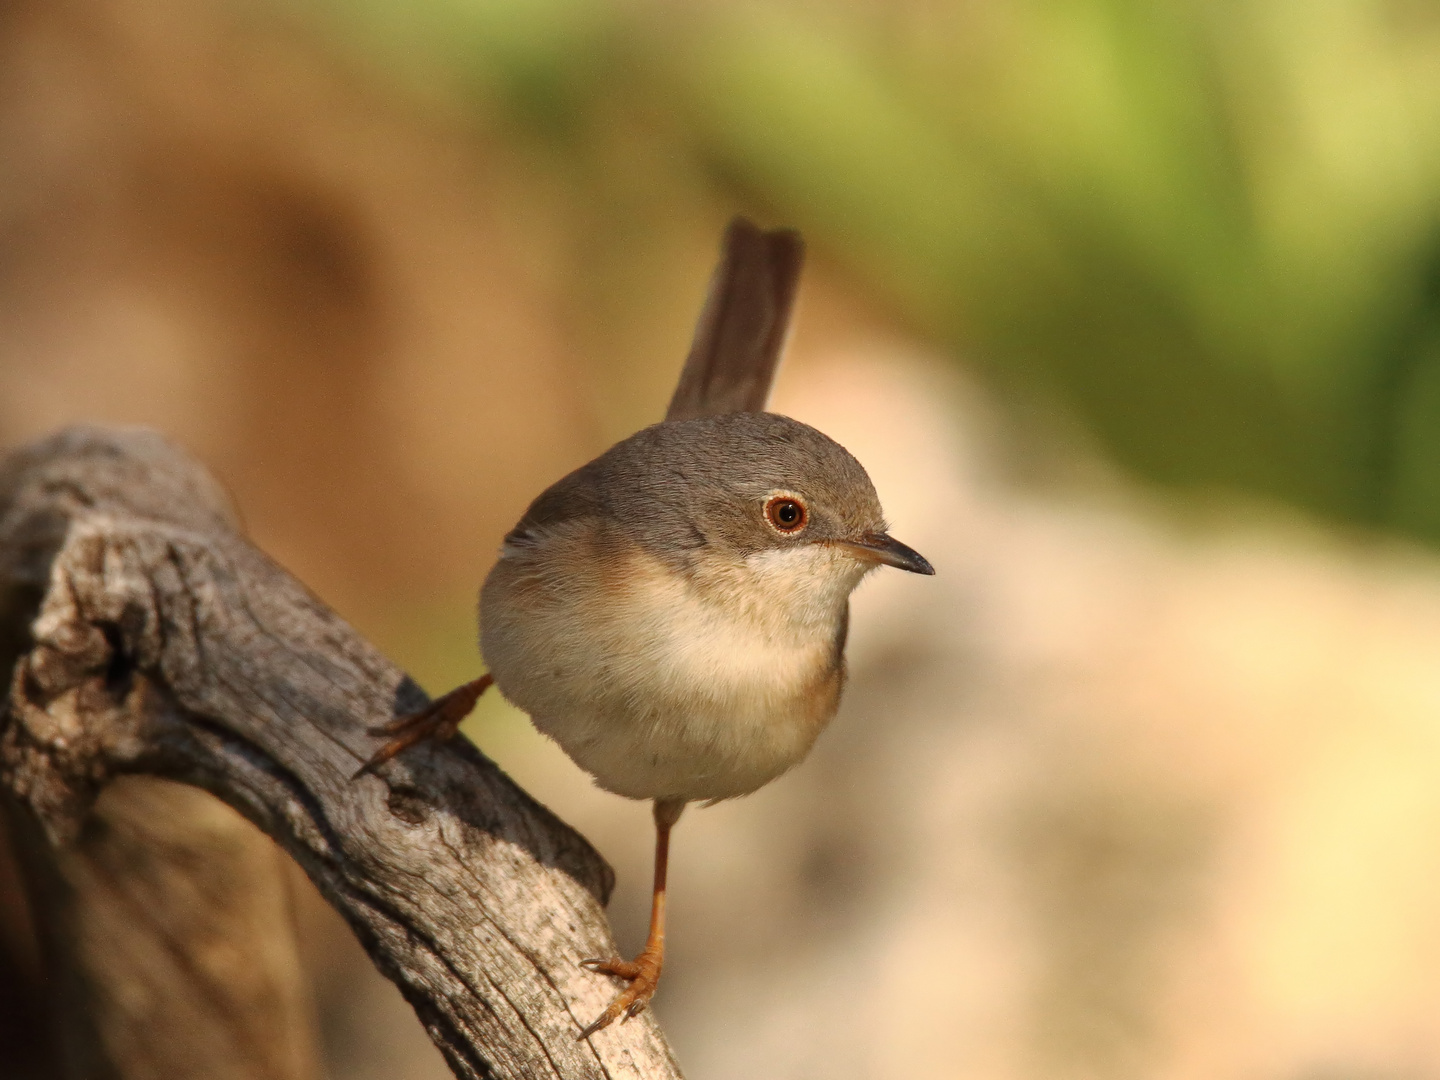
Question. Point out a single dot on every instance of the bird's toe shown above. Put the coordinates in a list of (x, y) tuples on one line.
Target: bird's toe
[(643, 974), (612, 965)]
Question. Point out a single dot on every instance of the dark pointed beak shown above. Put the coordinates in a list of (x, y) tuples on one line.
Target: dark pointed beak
[(884, 548)]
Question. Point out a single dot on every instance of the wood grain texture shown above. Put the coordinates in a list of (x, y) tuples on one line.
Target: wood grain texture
[(147, 636), (742, 328)]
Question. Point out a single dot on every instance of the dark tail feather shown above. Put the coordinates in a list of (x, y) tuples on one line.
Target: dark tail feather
[(742, 329)]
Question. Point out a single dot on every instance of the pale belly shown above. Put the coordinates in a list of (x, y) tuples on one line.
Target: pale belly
[(654, 692)]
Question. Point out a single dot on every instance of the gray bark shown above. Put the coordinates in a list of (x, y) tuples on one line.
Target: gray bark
[(148, 638)]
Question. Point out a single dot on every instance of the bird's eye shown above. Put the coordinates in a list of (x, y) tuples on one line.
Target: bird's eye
[(786, 513)]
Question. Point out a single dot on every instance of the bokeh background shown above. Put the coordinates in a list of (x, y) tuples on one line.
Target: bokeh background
[(1131, 307)]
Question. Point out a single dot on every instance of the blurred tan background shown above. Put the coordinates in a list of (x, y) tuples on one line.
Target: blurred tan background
[(1129, 308)]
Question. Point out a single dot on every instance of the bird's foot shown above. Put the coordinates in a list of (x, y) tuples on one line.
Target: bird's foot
[(643, 974), (438, 720)]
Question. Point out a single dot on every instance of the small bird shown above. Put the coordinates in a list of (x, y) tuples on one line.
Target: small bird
[(674, 613)]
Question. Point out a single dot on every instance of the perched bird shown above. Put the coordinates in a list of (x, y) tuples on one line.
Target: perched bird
[(674, 613)]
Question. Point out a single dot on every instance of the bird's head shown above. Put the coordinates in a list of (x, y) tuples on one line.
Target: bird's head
[(752, 493)]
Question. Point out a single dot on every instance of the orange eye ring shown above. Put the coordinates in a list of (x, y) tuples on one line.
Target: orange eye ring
[(786, 513)]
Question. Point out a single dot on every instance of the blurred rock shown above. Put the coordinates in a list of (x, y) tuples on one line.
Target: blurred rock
[(1121, 792)]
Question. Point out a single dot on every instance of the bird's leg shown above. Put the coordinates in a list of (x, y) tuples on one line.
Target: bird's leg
[(643, 972), (438, 720)]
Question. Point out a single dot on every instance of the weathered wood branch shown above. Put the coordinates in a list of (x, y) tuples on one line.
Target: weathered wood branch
[(146, 636)]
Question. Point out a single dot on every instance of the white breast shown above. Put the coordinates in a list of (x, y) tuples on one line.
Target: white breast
[(667, 687)]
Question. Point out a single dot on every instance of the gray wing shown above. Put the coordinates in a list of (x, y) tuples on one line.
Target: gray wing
[(569, 498), (742, 328)]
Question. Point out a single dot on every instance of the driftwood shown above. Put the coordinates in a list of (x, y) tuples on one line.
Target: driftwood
[(148, 639)]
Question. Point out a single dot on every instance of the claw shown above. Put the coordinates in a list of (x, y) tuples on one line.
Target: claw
[(438, 720), (603, 1021), (643, 974)]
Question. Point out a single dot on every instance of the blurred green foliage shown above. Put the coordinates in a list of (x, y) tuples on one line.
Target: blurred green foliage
[(1209, 225)]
